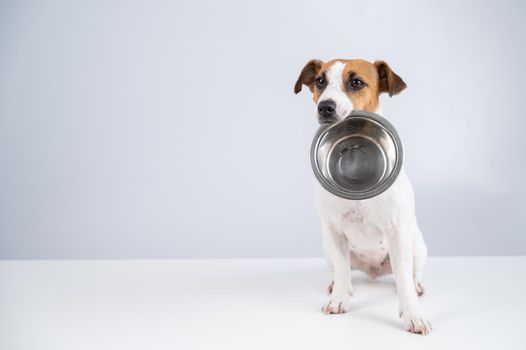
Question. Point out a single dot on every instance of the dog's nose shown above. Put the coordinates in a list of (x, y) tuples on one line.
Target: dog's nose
[(326, 109)]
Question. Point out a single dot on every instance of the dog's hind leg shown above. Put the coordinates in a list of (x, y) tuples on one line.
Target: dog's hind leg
[(419, 260)]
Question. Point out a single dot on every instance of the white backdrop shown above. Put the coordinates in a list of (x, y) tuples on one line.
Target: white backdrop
[(152, 129)]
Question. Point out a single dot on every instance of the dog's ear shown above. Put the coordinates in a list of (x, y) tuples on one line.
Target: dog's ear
[(388, 81), (307, 75)]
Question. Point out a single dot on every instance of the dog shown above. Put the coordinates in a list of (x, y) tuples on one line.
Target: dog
[(378, 235)]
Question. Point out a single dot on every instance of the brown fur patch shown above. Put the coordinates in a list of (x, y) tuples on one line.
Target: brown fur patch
[(307, 75), (388, 80)]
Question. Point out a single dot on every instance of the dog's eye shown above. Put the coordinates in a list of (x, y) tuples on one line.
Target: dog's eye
[(357, 84), (320, 82)]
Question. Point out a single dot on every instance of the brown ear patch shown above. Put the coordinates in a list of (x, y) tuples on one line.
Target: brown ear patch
[(307, 75), (388, 81)]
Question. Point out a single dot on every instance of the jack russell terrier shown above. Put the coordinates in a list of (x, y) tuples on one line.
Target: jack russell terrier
[(379, 235)]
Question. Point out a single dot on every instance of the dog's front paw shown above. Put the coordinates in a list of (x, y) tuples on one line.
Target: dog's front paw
[(336, 304), (415, 323)]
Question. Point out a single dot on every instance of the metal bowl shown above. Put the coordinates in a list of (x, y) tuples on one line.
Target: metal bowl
[(358, 157)]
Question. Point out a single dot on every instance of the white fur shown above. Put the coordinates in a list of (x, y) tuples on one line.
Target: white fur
[(334, 91), (376, 235)]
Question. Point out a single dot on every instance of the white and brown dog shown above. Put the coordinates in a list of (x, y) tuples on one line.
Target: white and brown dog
[(377, 235)]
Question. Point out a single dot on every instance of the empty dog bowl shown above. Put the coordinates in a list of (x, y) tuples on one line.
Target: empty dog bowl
[(358, 157)]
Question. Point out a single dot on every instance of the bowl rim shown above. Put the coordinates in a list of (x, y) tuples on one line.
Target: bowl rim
[(375, 191)]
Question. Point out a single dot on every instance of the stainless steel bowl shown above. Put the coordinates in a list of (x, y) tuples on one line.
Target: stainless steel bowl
[(358, 157)]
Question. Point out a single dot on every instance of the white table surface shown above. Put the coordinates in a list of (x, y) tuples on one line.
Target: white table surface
[(472, 303)]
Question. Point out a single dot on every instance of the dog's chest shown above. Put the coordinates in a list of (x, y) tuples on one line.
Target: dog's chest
[(366, 239), (362, 222)]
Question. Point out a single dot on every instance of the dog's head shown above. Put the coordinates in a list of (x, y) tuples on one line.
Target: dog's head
[(340, 86)]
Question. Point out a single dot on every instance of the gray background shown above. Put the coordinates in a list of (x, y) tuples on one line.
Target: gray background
[(153, 129)]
